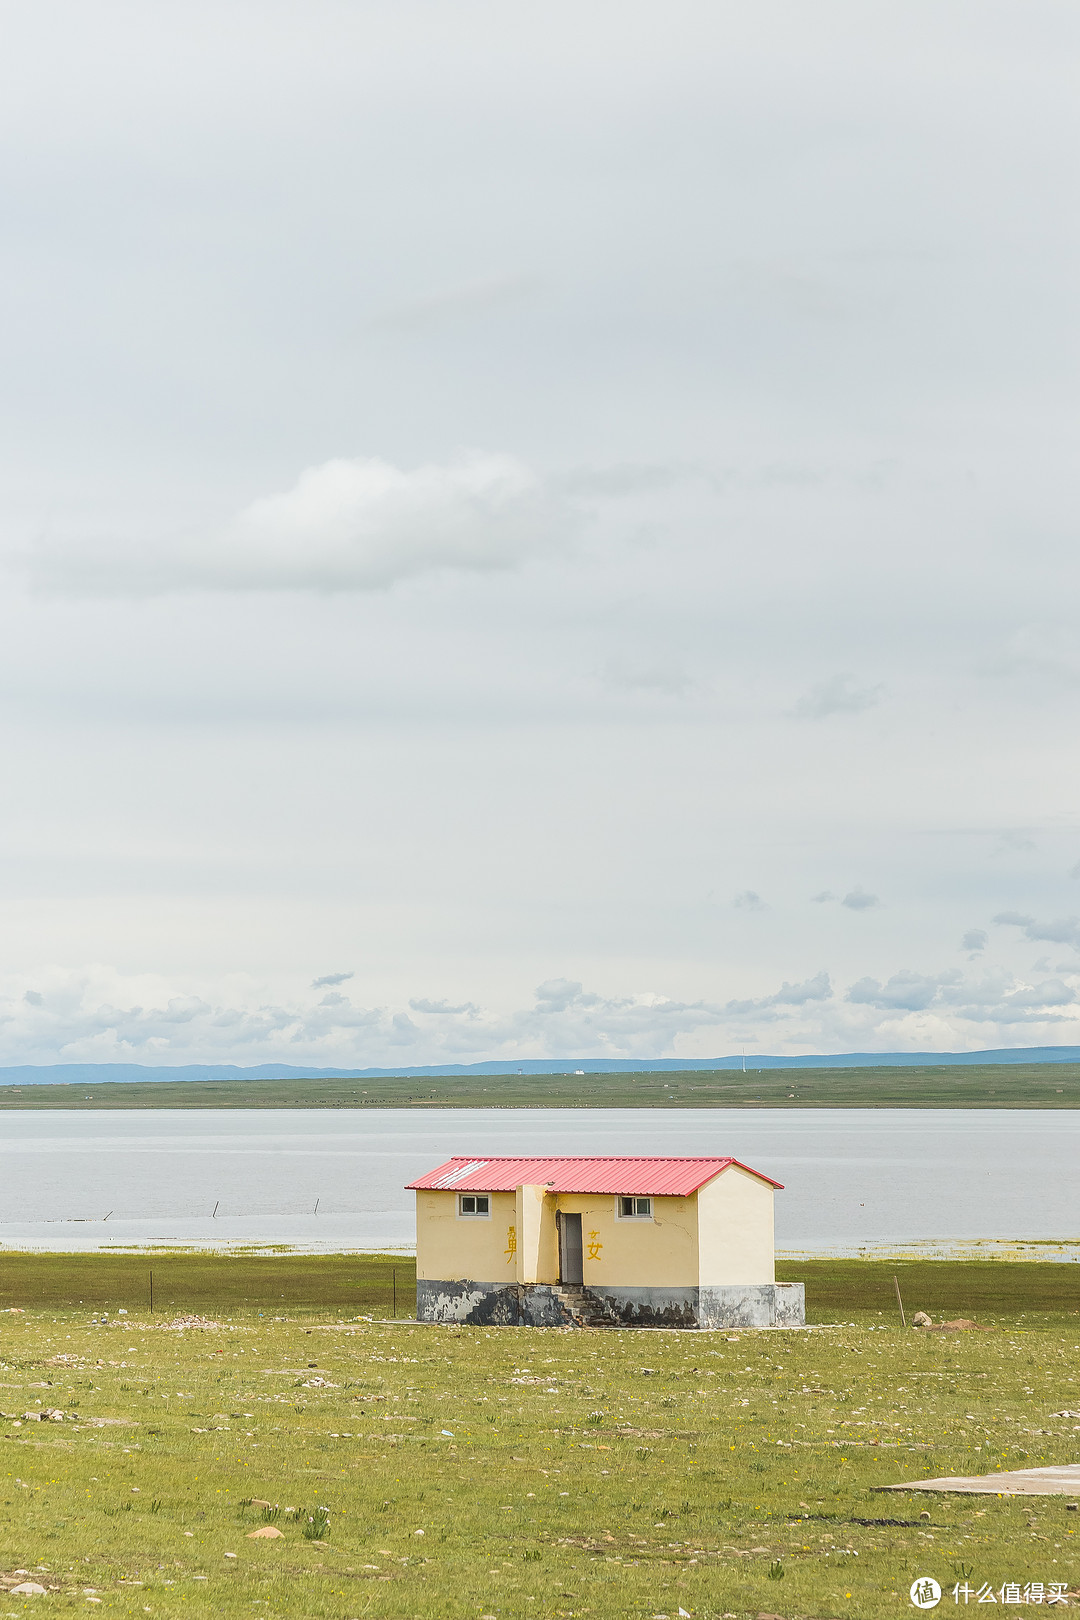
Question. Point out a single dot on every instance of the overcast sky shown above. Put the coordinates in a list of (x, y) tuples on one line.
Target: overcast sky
[(537, 531)]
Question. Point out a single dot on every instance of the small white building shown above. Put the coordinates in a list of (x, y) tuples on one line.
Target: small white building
[(648, 1242)]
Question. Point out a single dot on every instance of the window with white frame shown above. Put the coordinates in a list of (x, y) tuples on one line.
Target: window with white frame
[(474, 1204), (635, 1209)]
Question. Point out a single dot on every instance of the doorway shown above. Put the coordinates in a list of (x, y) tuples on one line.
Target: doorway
[(570, 1268)]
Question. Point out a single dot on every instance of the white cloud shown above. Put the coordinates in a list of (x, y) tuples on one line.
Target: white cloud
[(996, 999), (858, 899), (1034, 997), (330, 979), (423, 1004), (840, 694), (912, 992), (358, 525), (93, 1016), (819, 988), (97, 1015), (1062, 931), (556, 995), (975, 940), (748, 900)]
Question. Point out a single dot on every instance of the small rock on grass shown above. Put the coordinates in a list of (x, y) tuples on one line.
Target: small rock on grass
[(921, 1320), (269, 1532), (27, 1589)]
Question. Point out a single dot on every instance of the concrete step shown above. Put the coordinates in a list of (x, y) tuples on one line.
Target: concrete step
[(585, 1309)]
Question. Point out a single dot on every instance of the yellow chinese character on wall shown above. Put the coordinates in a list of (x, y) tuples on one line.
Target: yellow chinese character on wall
[(595, 1245), (511, 1243)]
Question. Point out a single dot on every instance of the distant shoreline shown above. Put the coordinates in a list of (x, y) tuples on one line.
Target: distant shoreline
[(102, 1073), (943, 1251), (1039, 1085)]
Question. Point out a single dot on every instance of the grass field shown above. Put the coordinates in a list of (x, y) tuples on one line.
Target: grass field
[(611, 1473), (1003, 1085), (238, 1281)]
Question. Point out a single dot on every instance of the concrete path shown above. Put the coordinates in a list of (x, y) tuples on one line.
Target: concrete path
[(1063, 1481)]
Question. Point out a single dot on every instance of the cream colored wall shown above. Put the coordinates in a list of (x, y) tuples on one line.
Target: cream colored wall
[(638, 1253), (454, 1248), (735, 1229), (532, 1218), (722, 1234), (547, 1260)]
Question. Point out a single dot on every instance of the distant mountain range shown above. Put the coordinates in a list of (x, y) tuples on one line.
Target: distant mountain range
[(97, 1073)]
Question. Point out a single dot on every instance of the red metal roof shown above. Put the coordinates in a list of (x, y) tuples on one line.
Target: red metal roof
[(673, 1178)]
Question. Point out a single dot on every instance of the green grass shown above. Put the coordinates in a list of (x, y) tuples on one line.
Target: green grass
[(364, 1284), (613, 1473), (986, 1290), (1001, 1085), (201, 1282)]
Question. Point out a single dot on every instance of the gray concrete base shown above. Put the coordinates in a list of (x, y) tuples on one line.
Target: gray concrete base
[(650, 1307), (713, 1305), (491, 1304), (753, 1305), (726, 1305)]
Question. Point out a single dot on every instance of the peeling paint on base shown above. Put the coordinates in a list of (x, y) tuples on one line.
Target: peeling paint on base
[(763, 1305), (491, 1304), (710, 1306)]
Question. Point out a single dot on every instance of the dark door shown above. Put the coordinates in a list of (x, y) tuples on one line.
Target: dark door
[(570, 1249)]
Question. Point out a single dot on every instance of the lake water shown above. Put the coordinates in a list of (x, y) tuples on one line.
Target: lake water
[(854, 1178)]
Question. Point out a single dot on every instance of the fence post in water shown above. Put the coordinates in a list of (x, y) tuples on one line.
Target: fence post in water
[(899, 1301), (151, 1293), (214, 1215)]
